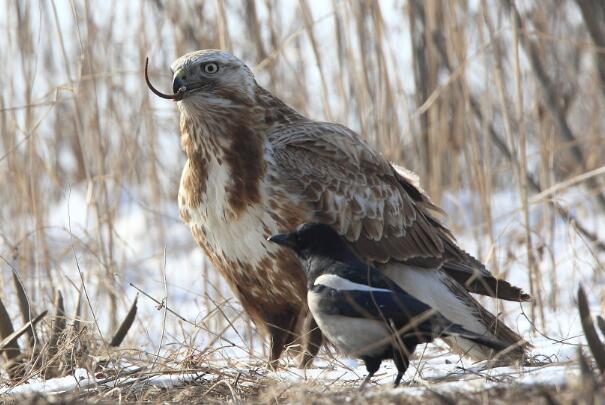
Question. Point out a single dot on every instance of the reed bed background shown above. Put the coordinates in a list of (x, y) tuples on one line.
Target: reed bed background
[(498, 106)]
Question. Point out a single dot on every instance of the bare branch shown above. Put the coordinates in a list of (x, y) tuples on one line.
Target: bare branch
[(593, 12), (550, 97), (25, 309), (58, 323), (601, 324), (594, 343), (12, 338), (11, 350), (125, 326)]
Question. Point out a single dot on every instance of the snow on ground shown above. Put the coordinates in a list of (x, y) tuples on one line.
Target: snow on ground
[(178, 276), (433, 370), (173, 274), (81, 379), (154, 251)]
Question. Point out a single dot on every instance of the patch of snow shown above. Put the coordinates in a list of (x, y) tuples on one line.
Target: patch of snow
[(82, 379)]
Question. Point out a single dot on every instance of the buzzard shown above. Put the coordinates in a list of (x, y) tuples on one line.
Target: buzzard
[(256, 167)]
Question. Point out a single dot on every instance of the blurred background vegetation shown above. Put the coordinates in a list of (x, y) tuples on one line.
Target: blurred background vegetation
[(499, 106)]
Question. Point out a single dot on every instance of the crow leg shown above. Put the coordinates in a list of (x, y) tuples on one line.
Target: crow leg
[(312, 338), (402, 361), (372, 365)]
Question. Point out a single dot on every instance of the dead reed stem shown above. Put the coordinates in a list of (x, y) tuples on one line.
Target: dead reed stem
[(90, 162)]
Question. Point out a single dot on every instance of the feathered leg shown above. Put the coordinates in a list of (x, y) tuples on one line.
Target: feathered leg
[(281, 332)]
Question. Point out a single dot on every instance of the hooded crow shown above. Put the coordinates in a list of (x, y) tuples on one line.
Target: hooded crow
[(360, 310)]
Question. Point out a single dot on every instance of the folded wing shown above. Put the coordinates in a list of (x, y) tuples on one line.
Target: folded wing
[(380, 210)]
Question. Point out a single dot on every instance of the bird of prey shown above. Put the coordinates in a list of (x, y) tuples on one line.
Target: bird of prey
[(361, 311), (256, 167)]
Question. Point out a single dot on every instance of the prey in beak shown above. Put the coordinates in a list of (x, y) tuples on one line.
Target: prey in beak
[(178, 86)]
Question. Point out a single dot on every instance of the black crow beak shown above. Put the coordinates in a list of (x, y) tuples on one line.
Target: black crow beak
[(284, 239)]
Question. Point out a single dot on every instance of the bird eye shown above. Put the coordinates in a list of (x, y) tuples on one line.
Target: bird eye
[(210, 68)]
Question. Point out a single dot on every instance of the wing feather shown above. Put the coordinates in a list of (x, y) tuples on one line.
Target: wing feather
[(380, 209), (356, 190)]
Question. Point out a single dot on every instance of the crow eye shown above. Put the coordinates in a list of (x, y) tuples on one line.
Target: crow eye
[(210, 68)]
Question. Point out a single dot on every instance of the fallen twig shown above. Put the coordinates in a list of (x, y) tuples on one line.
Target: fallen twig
[(23, 329)]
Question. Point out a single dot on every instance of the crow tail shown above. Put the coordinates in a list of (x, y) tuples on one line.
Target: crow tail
[(455, 330)]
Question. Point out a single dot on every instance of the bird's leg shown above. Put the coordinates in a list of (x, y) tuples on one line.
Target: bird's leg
[(312, 339), (277, 346), (372, 365), (365, 381), (401, 361), (281, 331)]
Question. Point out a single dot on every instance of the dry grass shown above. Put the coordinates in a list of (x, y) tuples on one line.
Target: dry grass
[(263, 391), (478, 100)]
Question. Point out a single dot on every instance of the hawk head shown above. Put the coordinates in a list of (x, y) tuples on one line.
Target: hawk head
[(212, 77)]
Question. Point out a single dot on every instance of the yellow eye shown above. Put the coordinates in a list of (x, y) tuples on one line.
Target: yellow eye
[(210, 68)]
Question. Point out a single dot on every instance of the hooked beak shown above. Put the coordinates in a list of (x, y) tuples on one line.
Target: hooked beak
[(178, 84), (284, 239)]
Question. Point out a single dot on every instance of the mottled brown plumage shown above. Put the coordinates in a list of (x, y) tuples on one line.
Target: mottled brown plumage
[(256, 168)]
